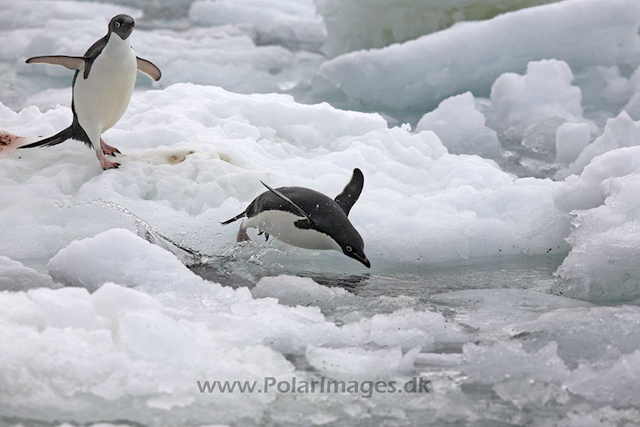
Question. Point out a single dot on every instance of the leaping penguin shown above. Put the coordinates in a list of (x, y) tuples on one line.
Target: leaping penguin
[(102, 87), (306, 218)]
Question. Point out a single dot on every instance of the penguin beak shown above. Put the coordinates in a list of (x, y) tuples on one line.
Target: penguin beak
[(363, 259)]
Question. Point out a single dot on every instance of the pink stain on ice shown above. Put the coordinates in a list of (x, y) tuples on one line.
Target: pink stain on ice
[(10, 142)]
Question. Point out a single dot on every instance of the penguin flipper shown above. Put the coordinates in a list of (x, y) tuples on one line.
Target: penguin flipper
[(351, 192), (235, 218), (70, 62), (288, 200), (149, 69), (304, 224)]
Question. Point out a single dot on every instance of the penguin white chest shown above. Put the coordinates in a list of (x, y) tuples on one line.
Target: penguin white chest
[(281, 225), (102, 98)]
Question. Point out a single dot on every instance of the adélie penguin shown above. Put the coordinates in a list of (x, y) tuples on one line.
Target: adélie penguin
[(102, 87), (306, 218)]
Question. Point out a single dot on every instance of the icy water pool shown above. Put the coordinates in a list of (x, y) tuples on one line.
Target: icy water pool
[(396, 279), (418, 283), (487, 298)]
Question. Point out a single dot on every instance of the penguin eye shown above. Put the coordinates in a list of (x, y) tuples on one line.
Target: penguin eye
[(348, 249), (117, 25)]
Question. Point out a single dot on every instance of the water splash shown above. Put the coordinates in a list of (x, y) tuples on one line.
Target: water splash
[(237, 265), (187, 256)]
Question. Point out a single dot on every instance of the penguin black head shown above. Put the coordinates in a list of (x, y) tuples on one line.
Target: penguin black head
[(352, 244), (122, 25)]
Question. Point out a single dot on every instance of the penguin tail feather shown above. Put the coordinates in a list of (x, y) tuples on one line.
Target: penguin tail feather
[(56, 139), (235, 218)]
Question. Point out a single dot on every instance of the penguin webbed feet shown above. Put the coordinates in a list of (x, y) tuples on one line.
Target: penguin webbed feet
[(266, 235), (108, 149), (111, 165), (242, 235), (105, 163)]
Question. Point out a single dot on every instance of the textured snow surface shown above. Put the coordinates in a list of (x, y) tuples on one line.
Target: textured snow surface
[(365, 24), (137, 354), (501, 219), (292, 23), (143, 350), (471, 55), (602, 264), (195, 156), (461, 127)]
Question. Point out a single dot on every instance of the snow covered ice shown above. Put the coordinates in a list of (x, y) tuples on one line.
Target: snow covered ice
[(582, 33), (354, 25), (500, 144)]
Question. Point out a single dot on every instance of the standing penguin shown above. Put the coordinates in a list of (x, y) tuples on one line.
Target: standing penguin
[(102, 87), (306, 218)]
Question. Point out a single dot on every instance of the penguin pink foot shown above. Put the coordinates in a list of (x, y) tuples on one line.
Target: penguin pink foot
[(106, 163), (242, 235), (107, 149)]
